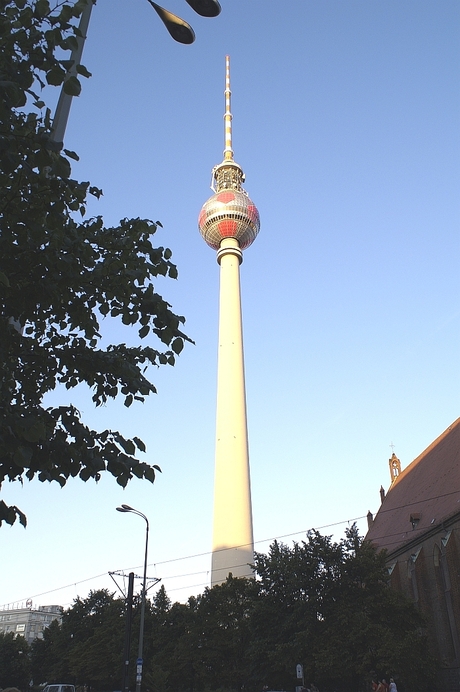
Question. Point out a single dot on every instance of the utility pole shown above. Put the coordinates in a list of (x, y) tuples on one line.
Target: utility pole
[(129, 610)]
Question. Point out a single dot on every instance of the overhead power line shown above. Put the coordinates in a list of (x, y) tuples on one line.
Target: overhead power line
[(177, 559), (209, 552)]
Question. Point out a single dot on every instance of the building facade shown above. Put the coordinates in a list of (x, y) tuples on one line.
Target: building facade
[(418, 524), (29, 622)]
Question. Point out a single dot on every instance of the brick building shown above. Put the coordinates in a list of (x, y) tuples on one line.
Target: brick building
[(418, 523)]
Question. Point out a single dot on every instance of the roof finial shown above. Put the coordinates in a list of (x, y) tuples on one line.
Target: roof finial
[(228, 151)]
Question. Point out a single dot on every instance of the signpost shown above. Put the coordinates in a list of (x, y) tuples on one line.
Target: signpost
[(300, 679), (139, 663)]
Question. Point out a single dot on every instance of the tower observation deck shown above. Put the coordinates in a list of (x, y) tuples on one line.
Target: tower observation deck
[(229, 223)]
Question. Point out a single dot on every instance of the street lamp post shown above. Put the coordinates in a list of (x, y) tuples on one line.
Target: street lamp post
[(127, 508), (178, 29)]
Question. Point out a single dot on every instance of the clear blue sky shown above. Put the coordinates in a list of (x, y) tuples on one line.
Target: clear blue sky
[(346, 123)]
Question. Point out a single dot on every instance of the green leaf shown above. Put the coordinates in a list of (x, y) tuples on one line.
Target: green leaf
[(139, 443), (128, 446), (72, 86), (4, 279), (138, 470), (22, 456), (66, 13), (85, 474), (35, 431), (62, 168), (69, 43), (9, 514), (81, 69), (22, 517), (177, 345), (42, 8), (149, 474), (55, 76), (71, 155)]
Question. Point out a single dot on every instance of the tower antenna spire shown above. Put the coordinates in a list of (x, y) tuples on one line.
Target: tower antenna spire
[(228, 151), (228, 175)]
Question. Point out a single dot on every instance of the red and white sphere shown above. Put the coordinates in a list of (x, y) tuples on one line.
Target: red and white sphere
[(229, 214)]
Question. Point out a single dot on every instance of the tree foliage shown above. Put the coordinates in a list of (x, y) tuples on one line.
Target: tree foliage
[(323, 604), (62, 275), (87, 647), (14, 661), (340, 618)]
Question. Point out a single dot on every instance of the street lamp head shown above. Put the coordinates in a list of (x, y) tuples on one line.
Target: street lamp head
[(206, 8), (127, 508), (178, 29)]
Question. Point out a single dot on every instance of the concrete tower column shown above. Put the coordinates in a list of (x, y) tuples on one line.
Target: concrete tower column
[(233, 544)]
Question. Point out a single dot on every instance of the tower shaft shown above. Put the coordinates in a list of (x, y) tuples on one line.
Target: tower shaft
[(233, 544), (229, 223)]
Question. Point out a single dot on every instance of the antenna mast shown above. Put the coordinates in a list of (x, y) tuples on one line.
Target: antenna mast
[(228, 151), (228, 175)]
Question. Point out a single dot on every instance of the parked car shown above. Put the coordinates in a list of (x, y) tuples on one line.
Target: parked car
[(59, 688)]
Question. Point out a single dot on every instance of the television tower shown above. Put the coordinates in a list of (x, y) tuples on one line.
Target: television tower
[(229, 223)]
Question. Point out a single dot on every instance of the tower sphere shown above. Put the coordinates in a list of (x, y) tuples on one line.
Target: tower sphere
[(229, 214)]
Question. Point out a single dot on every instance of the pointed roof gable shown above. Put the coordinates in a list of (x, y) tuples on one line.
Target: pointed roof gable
[(424, 495)]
